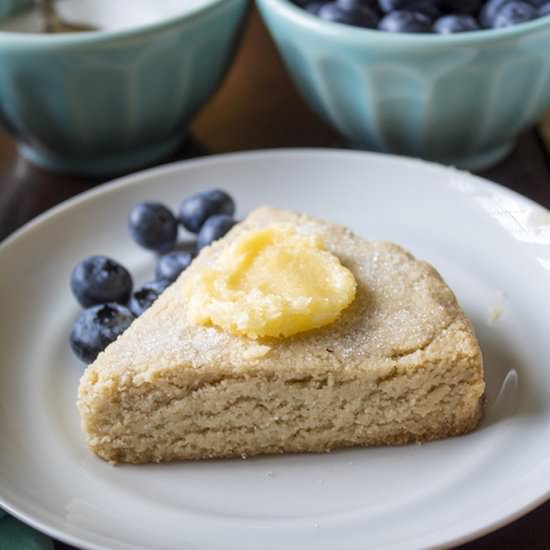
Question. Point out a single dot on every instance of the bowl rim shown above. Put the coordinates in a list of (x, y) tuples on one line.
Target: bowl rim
[(84, 38), (359, 35)]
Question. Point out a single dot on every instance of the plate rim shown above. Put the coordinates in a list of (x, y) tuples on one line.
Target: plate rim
[(135, 178), (127, 180)]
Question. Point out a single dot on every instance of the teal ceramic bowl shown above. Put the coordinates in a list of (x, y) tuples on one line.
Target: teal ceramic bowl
[(10, 7), (104, 103), (457, 99)]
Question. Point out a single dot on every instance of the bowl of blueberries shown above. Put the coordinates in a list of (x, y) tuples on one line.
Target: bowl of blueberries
[(453, 81)]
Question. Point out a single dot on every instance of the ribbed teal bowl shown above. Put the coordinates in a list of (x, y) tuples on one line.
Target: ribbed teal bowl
[(457, 99), (103, 103), (9, 7)]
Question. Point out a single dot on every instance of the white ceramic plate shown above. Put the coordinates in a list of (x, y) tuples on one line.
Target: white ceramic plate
[(491, 245)]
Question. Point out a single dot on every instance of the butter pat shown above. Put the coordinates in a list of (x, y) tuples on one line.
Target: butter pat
[(274, 282)]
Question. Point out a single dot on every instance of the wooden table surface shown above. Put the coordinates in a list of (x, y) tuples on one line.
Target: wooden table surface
[(257, 108)]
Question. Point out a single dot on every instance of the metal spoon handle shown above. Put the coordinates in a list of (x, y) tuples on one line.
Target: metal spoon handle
[(53, 23), (47, 8)]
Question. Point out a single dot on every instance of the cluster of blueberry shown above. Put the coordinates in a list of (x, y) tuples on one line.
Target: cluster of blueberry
[(424, 16), (104, 287)]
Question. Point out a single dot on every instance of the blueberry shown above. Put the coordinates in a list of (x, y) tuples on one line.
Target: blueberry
[(332, 12), (98, 280), (351, 5), (427, 7), (145, 295), (349, 13), (513, 13), (365, 12), (405, 21), (489, 12), (96, 327), (314, 7), (455, 23), (362, 13), (213, 229), (469, 7), (196, 209), (172, 264), (153, 226)]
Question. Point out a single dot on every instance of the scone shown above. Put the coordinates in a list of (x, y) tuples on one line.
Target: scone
[(401, 364)]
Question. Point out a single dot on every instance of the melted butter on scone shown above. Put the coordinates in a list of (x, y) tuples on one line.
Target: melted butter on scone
[(273, 282)]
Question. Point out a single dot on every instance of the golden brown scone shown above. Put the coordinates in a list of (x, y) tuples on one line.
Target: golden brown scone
[(401, 364)]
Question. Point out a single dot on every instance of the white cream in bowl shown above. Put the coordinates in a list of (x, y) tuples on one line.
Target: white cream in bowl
[(106, 15)]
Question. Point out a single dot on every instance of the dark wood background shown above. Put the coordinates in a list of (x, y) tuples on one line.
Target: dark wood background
[(258, 108)]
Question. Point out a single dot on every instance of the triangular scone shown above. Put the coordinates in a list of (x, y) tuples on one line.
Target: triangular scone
[(401, 364)]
